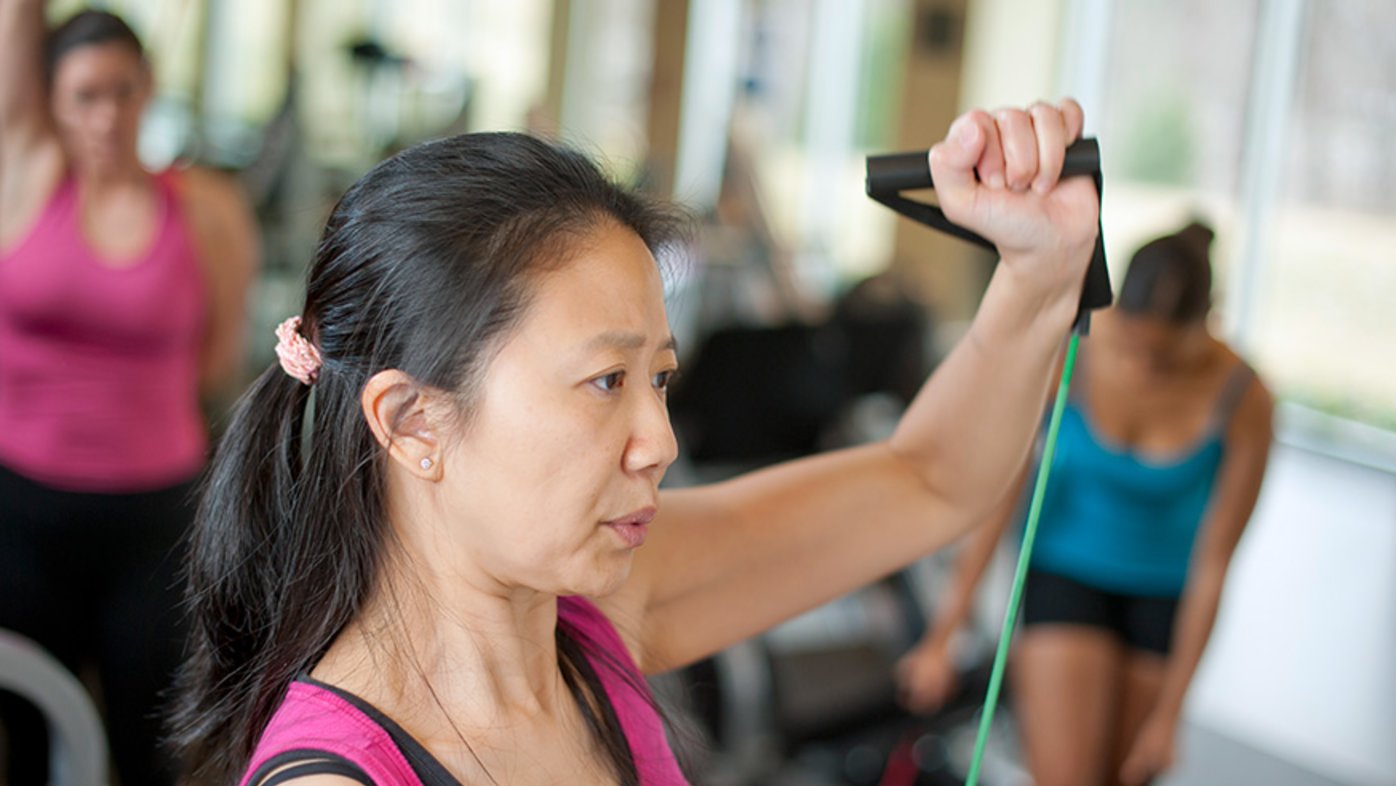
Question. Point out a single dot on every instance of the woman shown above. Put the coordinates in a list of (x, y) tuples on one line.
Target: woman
[(433, 547), (1159, 461), (121, 301)]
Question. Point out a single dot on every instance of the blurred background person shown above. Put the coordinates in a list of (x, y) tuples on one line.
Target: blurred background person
[(1159, 461), (122, 300)]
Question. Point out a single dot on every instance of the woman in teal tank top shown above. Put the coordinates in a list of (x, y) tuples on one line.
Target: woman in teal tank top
[(1159, 462)]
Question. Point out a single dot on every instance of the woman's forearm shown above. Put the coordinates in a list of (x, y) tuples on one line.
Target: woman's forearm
[(969, 566), (987, 398), (21, 60), (1197, 613), (1238, 487)]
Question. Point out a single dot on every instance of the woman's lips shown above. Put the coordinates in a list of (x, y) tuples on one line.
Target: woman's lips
[(633, 528)]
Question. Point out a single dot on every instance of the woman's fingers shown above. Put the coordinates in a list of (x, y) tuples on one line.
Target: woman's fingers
[(999, 175), (1013, 149), (1073, 117), (953, 162), (925, 679), (1049, 128), (1134, 772), (1020, 145), (992, 164)]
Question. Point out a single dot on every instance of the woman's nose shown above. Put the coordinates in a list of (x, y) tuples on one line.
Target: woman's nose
[(652, 446), (104, 114)]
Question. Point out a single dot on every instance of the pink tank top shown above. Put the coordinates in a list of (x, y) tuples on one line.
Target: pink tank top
[(99, 365), (317, 717)]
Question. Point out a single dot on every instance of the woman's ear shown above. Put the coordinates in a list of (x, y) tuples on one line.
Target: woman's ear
[(407, 420)]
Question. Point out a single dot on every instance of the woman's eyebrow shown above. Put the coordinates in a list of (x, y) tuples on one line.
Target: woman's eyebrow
[(624, 340)]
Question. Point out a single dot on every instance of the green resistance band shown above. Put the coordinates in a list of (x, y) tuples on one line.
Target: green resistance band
[(1010, 617), (888, 177)]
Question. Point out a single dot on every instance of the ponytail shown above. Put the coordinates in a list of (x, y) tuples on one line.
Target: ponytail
[(275, 570)]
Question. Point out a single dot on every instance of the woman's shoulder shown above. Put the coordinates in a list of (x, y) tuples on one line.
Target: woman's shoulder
[(217, 214), (1238, 372), (27, 185), (206, 195), (1244, 403), (313, 715), (316, 718)]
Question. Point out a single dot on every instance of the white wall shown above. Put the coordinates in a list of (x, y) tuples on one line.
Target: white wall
[(1302, 663)]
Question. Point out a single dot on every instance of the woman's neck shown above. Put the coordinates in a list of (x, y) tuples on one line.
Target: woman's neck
[(440, 659), (98, 181), (479, 686)]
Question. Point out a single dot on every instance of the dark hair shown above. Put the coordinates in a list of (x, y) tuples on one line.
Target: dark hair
[(87, 28), (1171, 277), (424, 266)]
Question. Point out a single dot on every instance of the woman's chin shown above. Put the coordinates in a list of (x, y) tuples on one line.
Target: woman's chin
[(105, 162), (608, 578)]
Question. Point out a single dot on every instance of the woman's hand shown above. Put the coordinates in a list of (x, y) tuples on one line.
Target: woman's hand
[(997, 174), (926, 677), (1152, 751)]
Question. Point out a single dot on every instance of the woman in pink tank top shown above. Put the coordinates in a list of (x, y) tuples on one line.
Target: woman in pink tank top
[(433, 548), (121, 300)]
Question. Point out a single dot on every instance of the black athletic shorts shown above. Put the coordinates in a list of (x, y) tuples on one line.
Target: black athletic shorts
[(1140, 622)]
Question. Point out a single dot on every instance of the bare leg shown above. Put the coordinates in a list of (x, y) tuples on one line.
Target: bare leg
[(1140, 683), (1066, 696)]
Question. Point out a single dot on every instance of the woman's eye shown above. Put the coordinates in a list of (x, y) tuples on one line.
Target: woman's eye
[(611, 381), (664, 379)]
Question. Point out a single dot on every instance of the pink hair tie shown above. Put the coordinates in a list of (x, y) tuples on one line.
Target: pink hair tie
[(299, 357)]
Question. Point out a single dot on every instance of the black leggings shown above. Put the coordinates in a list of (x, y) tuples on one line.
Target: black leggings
[(93, 578)]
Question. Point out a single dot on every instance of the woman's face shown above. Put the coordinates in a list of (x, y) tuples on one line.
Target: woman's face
[(556, 472), (1158, 346), (98, 94)]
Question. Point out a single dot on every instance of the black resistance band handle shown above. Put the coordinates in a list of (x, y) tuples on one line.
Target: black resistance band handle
[(891, 173), (907, 171)]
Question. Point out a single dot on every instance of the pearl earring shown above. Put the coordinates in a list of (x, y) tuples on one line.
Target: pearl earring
[(426, 463)]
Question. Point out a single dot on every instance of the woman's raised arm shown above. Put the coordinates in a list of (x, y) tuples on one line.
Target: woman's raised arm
[(22, 109), (730, 560), (29, 152)]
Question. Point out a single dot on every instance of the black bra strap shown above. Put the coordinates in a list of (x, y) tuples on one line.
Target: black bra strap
[(1233, 390), (306, 761)]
